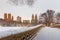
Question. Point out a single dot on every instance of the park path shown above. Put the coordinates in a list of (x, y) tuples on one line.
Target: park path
[(48, 33)]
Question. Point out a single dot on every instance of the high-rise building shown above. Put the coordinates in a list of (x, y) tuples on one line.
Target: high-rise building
[(9, 17), (26, 22), (5, 16), (18, 19), (36, 18), (33, 19), (12, 18)]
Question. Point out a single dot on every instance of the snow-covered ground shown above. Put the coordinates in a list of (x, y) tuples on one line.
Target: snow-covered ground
[(6, 31), (48, 33)]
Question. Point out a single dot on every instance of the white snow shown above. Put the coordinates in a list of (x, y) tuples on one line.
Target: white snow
[(48, 33), (6, 31)]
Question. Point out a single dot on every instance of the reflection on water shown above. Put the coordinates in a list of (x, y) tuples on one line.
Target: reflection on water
[(48, 33)]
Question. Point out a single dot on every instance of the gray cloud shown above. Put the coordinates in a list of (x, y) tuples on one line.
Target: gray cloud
[(22, 2), (30, 2)]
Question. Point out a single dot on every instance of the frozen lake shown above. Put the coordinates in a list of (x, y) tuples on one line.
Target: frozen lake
[(48, 33)]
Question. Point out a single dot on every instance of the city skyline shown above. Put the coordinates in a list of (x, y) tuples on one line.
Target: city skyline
[(8, 20), (9, 16), (38, 7)]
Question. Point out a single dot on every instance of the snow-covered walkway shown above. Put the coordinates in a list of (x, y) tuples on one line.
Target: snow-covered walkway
[(48, 33)]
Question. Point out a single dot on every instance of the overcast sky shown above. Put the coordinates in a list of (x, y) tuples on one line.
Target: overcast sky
[(26, 11)]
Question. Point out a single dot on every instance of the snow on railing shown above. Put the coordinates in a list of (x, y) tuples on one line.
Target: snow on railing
[(7, 31)]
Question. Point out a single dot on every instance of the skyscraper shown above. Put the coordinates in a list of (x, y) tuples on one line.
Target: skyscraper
[(36, 18), (9, 17), (33, 19), (12, 18), (5, 16), (18, 19)]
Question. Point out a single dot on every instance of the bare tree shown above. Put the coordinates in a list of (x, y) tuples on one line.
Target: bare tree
[(48, 16), (58, 17)]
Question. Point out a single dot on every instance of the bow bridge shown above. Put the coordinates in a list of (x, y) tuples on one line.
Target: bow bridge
[(26, 35)]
